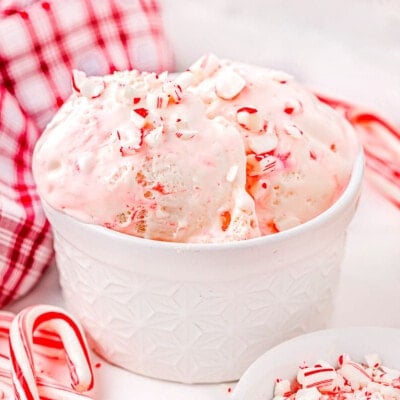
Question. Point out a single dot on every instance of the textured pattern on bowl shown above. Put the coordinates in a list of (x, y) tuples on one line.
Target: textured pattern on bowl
[(195, 312), (194, 331)]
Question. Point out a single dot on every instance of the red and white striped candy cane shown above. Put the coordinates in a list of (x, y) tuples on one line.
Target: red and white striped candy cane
[(6, 318), (46, 342), (381, 142), (22, 332)]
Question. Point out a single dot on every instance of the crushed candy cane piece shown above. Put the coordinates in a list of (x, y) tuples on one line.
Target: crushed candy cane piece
[(249, 118), (282, 387), (260, 165), (355, 373), (186, 134), (308, 394), (348, 381), (316, 376), (343, 358), (157, 100), (90, 87), (154, 136), (173, 91), (373, 360), (294, 131), (229, 84), (293, 107), (139, 117), (206, 65), (263, 143), (185, 79)]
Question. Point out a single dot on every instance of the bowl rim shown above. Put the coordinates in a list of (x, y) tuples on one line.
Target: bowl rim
[(347, 196)]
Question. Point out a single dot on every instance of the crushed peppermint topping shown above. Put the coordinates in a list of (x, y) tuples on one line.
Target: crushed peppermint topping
[(90, 87), (139, 117), (293, 106), (350, 380), (186, 134), (265, 142), (185, 79), (153, 138), (206, 65), (142, 112), (249, 118), (173, 91), (229, 84), (294, 131), (261, 164)]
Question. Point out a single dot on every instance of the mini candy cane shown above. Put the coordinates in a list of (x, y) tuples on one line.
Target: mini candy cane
[(21, 343), (46, 342)]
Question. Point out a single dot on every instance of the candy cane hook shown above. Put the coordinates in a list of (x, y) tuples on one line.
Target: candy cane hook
[(21, 341)]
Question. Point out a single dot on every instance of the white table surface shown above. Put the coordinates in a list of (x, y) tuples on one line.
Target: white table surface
[(369, 294)]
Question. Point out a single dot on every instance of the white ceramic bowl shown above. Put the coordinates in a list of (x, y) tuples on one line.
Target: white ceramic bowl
[(200, 312), (282, 361)]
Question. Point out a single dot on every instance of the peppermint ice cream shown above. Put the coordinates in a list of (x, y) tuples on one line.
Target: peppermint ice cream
[(226, 151)]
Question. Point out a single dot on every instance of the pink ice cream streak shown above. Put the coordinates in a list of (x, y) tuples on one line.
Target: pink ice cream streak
[(153, 157), (21, 340), (348, 381)]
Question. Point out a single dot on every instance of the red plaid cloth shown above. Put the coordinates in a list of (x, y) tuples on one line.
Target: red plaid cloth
[(40, 43)]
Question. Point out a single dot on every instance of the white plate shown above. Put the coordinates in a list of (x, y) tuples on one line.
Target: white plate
[(282, 361)]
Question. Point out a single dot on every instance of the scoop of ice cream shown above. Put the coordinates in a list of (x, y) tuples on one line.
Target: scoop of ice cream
[(226, 151), (133, 153), (299, 151)]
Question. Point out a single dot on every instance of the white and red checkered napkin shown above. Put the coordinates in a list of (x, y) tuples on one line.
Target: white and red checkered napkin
[(40, 43)]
